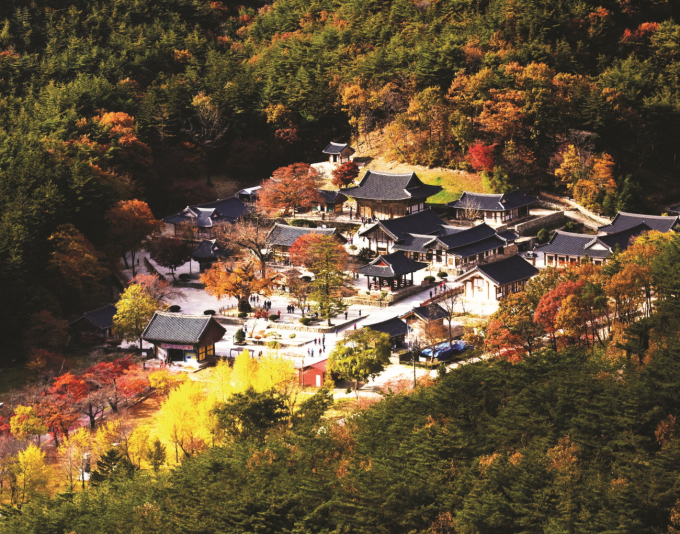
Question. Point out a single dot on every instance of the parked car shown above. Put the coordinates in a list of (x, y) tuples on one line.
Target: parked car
[(444, 351)]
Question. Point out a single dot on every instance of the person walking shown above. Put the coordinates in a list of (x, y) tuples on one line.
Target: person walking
[(312, 353), (346, 315), (279, 314), (359, 313), (355, 326)]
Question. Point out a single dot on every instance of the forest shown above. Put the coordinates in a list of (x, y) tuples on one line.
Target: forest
[(567, 436), (119, 100)]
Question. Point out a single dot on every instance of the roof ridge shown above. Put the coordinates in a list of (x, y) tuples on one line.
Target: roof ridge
[(641, 215), (101, 308), (390, 173), (500, 195), (562, 232)]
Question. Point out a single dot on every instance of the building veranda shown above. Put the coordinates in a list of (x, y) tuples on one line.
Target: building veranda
[(390, 272)]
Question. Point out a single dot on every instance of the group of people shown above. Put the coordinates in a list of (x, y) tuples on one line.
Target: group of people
[(290, 308), (368, 220), (441, 286), (317, 341)]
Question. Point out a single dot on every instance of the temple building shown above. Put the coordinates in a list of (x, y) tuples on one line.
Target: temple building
[(390, 272), (494, 281), (385, 195), (207, 253), (566, 247), (330, 201), (493, 209), (184, 339), (207, 217), (426, 237), (625, 221), (338, 152), (393, 327), (282, 236), (97, 322)]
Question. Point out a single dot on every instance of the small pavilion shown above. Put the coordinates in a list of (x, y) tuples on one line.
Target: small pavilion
[(390, 271)]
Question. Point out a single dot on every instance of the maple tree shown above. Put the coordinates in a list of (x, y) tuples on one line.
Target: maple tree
[(76, 268), (345, 174), (131, 223), (250, 236), (160, 290), (481, 156), (548, 307), (239, 283), (170, 252), (134, 311), (289, 189)]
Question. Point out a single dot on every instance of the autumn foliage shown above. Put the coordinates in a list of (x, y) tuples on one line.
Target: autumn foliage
[(345, 174), (289, 189)]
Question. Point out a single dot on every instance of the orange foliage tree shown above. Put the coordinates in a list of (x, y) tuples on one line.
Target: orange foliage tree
[(239, 283), (289, 189), (304, 250), (131, 223), (345, 174)]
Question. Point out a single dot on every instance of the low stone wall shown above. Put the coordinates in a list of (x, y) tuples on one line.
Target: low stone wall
[(531, 227), (317, 329), (390, 298), (152, 269), (603, 221)]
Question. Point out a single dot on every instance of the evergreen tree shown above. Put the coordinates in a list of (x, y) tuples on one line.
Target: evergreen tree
[(113, 466)]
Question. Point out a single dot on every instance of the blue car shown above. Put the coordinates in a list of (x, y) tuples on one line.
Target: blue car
[(444, 351)]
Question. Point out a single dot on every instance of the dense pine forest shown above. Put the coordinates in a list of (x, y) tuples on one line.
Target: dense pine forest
[(105, 101)]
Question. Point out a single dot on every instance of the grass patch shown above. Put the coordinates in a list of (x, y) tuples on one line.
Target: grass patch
[(12, 378), (454, 183)]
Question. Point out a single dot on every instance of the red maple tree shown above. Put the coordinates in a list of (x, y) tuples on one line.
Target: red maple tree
[(345, 174), (480, 156), (289, 189)]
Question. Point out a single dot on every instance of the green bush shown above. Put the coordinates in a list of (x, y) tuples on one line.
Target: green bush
[(365, 255), (352, 247), (273, 317), (429, 279), (292, 336), (306, 278), (305, 320), (185, 276), (442, 274), (274, 345), (240, 336), (242, 315), (209, 312), (174, 308), (543, 235)]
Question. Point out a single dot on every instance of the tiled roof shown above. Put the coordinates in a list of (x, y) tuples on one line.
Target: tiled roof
[(622, 239), (570, 244), (391, 186), (478, 247), (431, 312), (206, 215), (392, 327), (467, 236), (506, 201), (414, 243), (508, 235), (209, 249), (507, 271), (390, 265), (423, 223), (624, 221), (101, 317), (336, 148), (332, 197), (173, 328), (284, 236)]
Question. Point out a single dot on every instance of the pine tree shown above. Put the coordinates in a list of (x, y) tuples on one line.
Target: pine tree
[(112, 465), (156, 455)]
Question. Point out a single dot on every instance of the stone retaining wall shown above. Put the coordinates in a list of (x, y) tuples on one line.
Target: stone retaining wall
[(531, 227), (603, 221)]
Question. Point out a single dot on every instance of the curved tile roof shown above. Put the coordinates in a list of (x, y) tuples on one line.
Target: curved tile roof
[(391, 265), (624, 221), (490, 202), (391, 186), (284, 236), (507, 271)]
